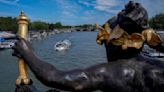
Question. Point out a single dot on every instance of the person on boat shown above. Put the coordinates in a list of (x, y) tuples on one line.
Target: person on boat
[(125, 75), (125, 35)]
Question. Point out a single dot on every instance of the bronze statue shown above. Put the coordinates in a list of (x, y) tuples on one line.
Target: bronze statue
[(129, 74), (125, 75), (124, 35)]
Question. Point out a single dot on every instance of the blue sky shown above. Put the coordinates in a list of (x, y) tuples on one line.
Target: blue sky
[(73, 12)]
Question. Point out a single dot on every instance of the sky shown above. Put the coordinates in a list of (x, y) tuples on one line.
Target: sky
[(73, 12)]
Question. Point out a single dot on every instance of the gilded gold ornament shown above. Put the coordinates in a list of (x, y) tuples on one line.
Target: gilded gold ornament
[(22, 32)]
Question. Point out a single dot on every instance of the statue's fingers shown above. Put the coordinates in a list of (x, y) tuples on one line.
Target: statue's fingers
[(17, 43), (18, 37), (14, 51), (19, 56), (16, 54), (13, 47)]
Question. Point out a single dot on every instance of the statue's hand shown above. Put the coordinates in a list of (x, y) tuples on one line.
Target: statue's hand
[(22, 48)]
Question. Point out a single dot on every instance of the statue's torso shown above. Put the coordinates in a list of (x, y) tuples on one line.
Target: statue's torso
[(116, 52)]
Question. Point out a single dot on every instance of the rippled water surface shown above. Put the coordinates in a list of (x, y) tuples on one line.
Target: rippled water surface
[(84, 52)]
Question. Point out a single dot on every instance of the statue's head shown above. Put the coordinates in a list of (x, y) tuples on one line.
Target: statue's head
[(135, 12), (103, 34), (130, 4)]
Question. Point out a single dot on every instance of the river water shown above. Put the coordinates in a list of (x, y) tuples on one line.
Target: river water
[(84, 52)]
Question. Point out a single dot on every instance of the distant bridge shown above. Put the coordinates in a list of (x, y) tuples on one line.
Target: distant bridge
[(83, 29)]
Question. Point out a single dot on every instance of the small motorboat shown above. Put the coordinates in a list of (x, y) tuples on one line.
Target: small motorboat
[(7, 40), (150, 52), (62, 45), (6, 35), (154, 54), (6, 44), (68, 42)]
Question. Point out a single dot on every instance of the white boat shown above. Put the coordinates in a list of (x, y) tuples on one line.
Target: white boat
[(150, 52), (7, 40), (62, 45), (154, 54), (68, 42), (6, 45), (6, 35)]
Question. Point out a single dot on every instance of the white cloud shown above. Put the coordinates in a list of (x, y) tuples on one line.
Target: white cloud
[(107, 3), (153, 6), (4, 13), (68, 9), (10, 2), (16, 0), (68, 14), (87, 2), (103, 5)]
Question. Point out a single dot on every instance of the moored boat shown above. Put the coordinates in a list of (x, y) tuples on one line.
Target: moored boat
[(7, 40)]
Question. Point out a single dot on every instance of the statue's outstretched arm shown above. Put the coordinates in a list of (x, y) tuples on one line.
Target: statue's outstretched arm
[(73, 80), (121, 76)]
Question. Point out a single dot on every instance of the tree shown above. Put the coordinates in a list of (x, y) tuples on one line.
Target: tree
[(38, 25), (58, 25), (8, 24), (51, 26), (157, 22)]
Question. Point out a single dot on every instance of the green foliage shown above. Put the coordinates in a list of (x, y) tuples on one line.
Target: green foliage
[(157, 22), (58, 25), (85, 26), (51, 26), (8, 24), (38, 25)]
